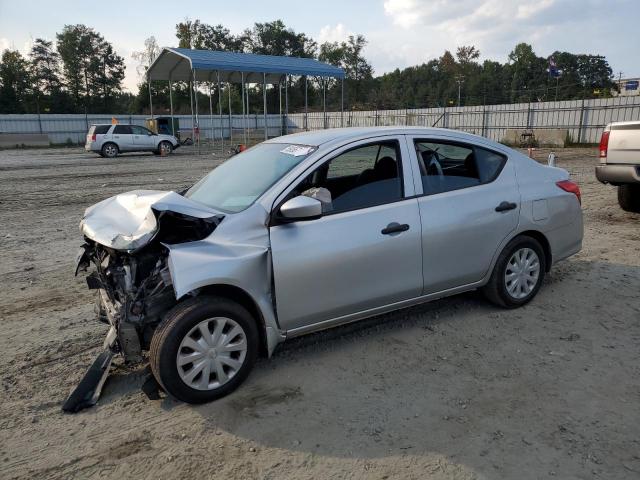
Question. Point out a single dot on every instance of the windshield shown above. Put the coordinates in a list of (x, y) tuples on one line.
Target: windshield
[(239, 181)]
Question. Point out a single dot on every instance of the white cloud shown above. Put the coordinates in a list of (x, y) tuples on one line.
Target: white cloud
[(421, 30), (6, 44), (337, 33)]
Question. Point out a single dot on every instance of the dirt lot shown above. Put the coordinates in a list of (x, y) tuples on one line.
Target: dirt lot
[(455, 389)]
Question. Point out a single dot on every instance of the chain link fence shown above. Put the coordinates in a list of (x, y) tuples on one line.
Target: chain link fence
[(583, 120)]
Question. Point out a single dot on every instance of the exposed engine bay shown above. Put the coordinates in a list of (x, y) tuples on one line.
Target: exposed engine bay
[(129, 271)]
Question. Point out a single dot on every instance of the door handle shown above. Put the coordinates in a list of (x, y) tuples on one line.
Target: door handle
[(394, 227), (504, 206)]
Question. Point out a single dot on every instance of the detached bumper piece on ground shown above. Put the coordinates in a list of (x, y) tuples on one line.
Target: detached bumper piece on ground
[(88, 391)]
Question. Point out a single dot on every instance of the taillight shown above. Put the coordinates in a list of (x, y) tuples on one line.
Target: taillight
[(571, 187), (604, 143), (93, 137)]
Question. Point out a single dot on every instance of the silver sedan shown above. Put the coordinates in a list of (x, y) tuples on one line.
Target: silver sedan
[(317, 229)]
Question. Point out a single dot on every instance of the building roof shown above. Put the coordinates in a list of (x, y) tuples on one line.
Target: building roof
[(177, 63)]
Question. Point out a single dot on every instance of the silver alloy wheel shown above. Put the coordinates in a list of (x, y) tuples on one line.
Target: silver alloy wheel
[(110, 150), (211, 353), (522, 273), (165, 148)]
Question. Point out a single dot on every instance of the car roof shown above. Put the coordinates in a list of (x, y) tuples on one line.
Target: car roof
[(318, 138)]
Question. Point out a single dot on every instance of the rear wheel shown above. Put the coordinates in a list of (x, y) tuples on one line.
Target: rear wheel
[(109, 150), (629, 198), (204, 349), (518, 273)]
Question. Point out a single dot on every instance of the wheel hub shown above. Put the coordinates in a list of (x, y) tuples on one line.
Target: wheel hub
[(522, 273), (211, 353)]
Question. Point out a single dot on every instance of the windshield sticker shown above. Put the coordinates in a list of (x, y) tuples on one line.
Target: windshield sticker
[(297, 150)]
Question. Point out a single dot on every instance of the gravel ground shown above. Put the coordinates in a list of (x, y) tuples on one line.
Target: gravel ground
[(455, 389)]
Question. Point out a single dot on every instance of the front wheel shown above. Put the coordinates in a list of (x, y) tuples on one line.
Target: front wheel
[(518, 273), (164, 148), (204, 349)]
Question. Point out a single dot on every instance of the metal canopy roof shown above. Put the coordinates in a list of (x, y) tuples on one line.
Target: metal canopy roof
[(176, 64)]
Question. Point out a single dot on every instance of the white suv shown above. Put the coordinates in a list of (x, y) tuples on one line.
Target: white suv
[(109, 140)]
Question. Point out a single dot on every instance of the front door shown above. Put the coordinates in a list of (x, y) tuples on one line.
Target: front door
[(143, 139), (364, 252), (470, 205)]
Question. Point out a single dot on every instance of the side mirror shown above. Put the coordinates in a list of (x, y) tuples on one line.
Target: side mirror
[(301, 208)]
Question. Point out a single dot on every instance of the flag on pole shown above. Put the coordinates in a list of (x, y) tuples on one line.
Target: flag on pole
[(553, 69)]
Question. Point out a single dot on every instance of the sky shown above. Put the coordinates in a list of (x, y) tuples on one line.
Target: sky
[(401, 33)]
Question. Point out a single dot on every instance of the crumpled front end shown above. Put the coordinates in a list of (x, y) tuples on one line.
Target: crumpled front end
[(126, 238)]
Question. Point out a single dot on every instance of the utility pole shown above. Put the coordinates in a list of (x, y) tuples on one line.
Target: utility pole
[(620, 83), (460, 81)]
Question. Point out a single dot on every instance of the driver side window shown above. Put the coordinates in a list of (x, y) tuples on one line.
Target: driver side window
[(358, 178), (139, 130)]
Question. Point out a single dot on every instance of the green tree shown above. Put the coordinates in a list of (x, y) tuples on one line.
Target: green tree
[(275, 38), (202, 36), (93, 71), (15, 83), (45, 76)]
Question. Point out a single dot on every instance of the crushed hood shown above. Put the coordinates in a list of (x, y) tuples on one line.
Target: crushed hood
[(129, 220)]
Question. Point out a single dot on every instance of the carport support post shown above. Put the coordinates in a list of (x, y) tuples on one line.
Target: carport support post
[(342, 102), (220, 113), (193, 123), (244, 121), (324, 103), (286, 104), (306, 103), (230, 117), (150, 99), (264, 101), (211, 113), (280, 103), (171, 105), (195, 94)]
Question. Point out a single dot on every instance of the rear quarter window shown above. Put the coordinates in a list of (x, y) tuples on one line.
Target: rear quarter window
[(101, 129)]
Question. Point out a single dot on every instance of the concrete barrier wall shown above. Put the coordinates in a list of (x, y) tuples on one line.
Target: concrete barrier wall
[(12, 140), (583, 120)]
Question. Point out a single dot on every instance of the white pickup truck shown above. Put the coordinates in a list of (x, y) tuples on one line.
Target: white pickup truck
[(620, 162)]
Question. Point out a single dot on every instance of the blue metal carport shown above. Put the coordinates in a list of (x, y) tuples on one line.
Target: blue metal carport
[(183, 64)]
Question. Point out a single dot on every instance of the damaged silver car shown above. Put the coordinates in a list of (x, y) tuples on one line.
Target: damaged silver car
[(313, 230)]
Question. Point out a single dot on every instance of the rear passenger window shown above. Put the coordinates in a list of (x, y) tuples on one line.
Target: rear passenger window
[(489, 164), (449, 166), (101, 129), (122, 130)]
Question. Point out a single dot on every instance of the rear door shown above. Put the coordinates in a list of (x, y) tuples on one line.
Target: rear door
[(123, 136), (364, 252), (469, 205)]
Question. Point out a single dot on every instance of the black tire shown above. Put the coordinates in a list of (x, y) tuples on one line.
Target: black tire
[(177, 324), (629, 198), (496, 289), (166, 146), (109, 150)]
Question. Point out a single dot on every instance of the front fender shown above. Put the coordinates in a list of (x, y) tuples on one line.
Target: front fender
[(237, 254)]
